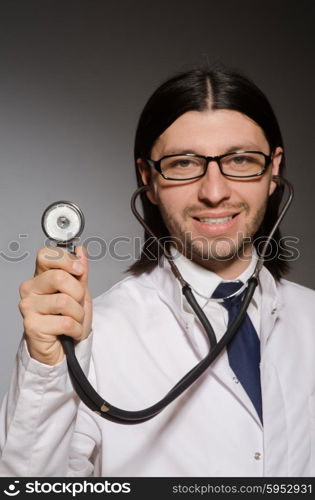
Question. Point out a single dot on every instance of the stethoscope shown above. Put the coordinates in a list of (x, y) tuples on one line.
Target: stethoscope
[(63, 222)]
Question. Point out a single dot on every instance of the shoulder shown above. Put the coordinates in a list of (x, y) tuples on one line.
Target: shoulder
[(295, 289), (297, 297)]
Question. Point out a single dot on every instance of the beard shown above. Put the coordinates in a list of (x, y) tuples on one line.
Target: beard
[(215, 250)]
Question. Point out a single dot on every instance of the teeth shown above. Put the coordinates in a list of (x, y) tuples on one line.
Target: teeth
[(216, 221)]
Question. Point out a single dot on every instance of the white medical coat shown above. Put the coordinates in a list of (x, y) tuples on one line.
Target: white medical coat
[(144, 340)]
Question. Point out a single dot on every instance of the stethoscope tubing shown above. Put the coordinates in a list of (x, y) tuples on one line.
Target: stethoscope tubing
[(96, 403)]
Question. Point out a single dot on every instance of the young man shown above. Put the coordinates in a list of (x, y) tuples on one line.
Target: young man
[(208, 146)]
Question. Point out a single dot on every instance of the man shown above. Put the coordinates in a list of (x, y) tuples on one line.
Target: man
[(208, 146)]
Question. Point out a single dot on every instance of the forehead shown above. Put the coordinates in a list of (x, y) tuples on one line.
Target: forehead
[(210, 132)]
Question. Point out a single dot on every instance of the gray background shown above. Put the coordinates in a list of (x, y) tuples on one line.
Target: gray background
[(74, 76)]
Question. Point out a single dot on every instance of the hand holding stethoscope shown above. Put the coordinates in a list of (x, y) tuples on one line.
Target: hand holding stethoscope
[(47, 314)]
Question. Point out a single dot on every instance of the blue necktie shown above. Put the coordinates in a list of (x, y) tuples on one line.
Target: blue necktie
[(244, 348)]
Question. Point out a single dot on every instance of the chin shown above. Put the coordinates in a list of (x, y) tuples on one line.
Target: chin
[(218, 255), (218, 250)]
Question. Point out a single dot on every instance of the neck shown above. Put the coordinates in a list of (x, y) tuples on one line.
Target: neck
[(227, 269)]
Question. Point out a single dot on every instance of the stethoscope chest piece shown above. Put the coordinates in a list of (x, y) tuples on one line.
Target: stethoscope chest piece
[(62, 222)]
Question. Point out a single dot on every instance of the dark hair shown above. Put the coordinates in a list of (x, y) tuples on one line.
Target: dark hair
[(195, 90)]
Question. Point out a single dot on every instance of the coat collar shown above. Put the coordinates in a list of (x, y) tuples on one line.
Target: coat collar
[(271, 304)]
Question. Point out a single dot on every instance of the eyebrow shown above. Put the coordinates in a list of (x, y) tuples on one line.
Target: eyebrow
[(249, 147), (179, 151), (230, 149)]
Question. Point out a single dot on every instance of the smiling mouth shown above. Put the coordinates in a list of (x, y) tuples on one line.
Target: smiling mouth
[(215, 220)]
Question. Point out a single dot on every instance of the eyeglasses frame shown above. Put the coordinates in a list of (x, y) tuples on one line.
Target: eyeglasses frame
[(156, 164)]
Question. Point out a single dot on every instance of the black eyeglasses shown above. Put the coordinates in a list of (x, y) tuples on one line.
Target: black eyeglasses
[(242, 164)]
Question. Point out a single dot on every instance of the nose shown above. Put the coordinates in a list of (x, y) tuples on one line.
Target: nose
[(214, 187)]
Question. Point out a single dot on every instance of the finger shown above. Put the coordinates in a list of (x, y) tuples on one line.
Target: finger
[(58, 303), (46, 327), (82, 258), (57, 258), (52, 281)]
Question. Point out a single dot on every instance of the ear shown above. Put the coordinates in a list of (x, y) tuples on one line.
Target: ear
[(147, 179), (275, 167)]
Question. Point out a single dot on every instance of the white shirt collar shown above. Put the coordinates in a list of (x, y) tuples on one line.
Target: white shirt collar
[(203, 281)]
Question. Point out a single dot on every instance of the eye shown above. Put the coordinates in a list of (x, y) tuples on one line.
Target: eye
[(241, 159), (245, 164), (182, 162)]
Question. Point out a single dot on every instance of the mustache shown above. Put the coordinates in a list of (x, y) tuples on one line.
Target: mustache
[(241, 206)]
